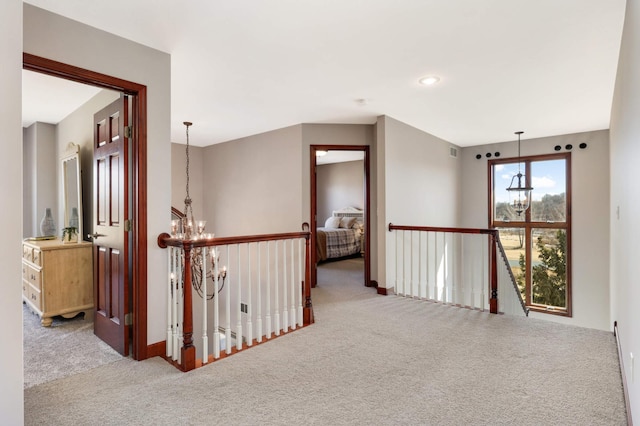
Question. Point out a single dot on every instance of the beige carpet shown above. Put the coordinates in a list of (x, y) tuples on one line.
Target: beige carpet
[(67, 347), (368, 360)]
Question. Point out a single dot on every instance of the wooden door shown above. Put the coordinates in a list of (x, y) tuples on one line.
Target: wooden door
[(110, 237)]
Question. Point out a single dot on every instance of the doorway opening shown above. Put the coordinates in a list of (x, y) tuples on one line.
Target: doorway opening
[(138, 177), (349, 196)]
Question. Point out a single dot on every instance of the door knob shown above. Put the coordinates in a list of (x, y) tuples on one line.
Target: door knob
[(95, 236)]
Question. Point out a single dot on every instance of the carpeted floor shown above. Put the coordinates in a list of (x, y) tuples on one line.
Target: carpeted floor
[(67, 347), (367, 360)]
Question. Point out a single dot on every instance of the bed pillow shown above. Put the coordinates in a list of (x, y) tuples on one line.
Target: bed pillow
[(332, 222), (347, 222)]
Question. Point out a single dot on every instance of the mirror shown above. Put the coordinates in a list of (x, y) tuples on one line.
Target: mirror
[(72, 191)]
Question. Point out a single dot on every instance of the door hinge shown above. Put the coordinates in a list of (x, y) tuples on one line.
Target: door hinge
[(128, 131), (127, 225), (128, 319)]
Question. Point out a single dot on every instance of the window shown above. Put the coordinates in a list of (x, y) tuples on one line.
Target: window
[(537, 242)]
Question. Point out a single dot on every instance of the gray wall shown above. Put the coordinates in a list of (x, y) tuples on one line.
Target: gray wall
[(590, 215), (420, 184), (625, 232), (252, 185), (179, 177), (339, 185), (41, 179), (11, 364)]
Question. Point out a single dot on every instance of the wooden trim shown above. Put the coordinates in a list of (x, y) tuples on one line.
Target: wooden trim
[(367, 205), (157, 349), (382, 291), (625, 387), (177, 212), (139, 182)]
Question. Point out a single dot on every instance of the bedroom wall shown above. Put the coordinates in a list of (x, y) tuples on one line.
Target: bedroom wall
[(11, 364), (624, 228), (421, 183), (590, 215), (64, 40), (179, 178), (41, 184), (339, 185), (77, 127)]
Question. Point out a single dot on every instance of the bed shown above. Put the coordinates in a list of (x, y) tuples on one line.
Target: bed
[(341, 235)]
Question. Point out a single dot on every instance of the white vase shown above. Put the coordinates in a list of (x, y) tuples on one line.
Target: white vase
[(47, 225)]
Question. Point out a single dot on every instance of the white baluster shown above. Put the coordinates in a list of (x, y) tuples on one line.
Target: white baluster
[(227, 328), (276, 306), (404, 265), (292, 315), (268, 315), (180, 309), (285, 308), (249, 308), (168, 349), (205, 338), (397, 271), (412, 292), (216, 303), (259, 301), (301, 281), (420, 265), (239, 308), (484, 276)]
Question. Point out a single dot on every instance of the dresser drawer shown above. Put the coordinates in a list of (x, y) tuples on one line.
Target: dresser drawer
[(25, 289), (34, 277), (34, 297), (27, 253), (36, 257)]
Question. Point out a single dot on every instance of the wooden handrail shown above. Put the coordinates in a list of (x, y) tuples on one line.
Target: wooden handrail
[(393, 227), (165, 240)]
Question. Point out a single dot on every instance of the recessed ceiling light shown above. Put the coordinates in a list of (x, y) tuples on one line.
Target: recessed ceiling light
[(429, 80)]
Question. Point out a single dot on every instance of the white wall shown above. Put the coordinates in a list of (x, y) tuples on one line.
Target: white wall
[(590, 215), (421, 182), (77, 127), (625, 229), (339, 185), (54, 37), (11, 381)]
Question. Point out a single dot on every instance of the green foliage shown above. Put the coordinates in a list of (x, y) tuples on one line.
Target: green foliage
[(550, 275), (69, 232)]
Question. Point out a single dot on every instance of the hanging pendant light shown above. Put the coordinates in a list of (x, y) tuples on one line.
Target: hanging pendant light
[(519, 192)]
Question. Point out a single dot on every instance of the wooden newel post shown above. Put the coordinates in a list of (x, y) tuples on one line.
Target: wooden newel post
[(188, 351), (307, 316), (493, 300)]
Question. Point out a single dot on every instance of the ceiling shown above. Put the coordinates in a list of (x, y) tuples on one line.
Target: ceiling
[(546, 67)]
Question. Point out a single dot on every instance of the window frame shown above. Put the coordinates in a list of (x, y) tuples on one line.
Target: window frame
[(528, 225)]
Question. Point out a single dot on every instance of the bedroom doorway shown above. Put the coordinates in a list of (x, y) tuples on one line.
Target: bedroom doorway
[(138, 94), (346, 168)]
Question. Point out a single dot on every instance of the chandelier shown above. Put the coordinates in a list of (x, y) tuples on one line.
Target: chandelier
[(184, 229), (519, 192)]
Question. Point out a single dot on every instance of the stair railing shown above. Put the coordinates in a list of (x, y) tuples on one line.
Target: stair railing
[(252, 288), (456, 266)]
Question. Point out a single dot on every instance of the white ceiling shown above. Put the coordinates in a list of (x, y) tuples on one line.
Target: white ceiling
[(546, 67)]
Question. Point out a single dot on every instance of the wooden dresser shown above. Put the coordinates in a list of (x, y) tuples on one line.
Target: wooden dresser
[(57, 278)]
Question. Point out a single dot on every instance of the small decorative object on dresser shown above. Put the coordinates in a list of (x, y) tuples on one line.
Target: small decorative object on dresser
[(69, 235), (57, 278)]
